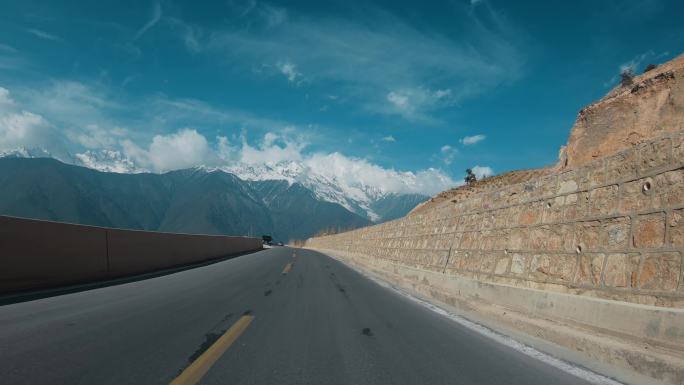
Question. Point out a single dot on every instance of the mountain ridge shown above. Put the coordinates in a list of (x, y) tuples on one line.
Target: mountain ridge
[(188, 201), (355, 196)]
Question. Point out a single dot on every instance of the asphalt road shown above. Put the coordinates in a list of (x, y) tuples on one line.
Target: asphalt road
[(321, 323)]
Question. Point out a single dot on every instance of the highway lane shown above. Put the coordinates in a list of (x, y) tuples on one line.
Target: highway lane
[(303, 320)]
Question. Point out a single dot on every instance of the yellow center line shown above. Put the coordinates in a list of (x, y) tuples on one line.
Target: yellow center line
[(194, 373), (287, 268)]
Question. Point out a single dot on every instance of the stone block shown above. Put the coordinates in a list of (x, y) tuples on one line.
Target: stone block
[(653, 155), (589, 235), (520, 264), (518, 239), (487, 262), (471, 261), (501, 217), (540, 267), (487, 240), (564, 266), (593, 175), (553, 210), (603, 201), (530, 214), (589, 269), (502, 264), (487, 221), (621, 166), (621, 270), (649, 230), (634, 196), (616, 233), (561, 238), (553, 267), (678, 148), (668, 189), (576, 206), (469, 240), (567, 182), (513, 215), (538, 238), (660, 271), (501, 239), (547, 186), (676, 228)]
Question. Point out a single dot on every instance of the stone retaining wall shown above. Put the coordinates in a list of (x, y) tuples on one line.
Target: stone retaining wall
[(613, 229)]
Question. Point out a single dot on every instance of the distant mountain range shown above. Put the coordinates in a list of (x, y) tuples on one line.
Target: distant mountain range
[(282, 200)]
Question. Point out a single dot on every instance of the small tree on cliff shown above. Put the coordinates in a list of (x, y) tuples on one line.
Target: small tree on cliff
[(626, 77), (650, 67), (470, 177)]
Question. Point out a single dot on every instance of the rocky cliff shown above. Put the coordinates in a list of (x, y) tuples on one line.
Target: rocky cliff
[(650, 106)]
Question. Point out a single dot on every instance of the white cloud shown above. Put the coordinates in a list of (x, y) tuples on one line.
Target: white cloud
[(482, 171), (93, 136), (469, 140), (289, 70), (21, 128), (183, 149), (388, 64), (84, 116), (401, 101), (388, 138), (441, 94), (156, 16), (189, 148), (44, 35), (272, 149), (355, 173), (7, 48), (448, 154), (414, 103)]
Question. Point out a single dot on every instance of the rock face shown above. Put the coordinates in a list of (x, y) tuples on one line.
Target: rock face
[(649, 107)]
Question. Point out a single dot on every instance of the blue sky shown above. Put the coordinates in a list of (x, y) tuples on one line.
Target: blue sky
[(393, 85)]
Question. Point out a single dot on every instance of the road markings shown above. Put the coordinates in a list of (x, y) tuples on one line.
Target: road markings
[(194, 373), (287, 268)]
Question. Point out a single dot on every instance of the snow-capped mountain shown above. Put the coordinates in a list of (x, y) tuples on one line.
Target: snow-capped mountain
[(352, 193), (23, 152), (103, 160), (107, 161)]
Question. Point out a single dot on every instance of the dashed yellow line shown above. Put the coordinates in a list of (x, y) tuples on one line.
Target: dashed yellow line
[(194, 373), (287, 268)]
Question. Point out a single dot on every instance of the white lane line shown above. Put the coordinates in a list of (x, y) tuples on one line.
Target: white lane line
[(577, 371)]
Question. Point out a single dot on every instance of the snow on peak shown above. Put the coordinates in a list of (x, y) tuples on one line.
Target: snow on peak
[(107, 161), (355, 197), (24, 152), (331, 179)]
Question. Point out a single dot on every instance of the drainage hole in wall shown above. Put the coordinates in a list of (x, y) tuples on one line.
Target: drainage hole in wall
[(646, 187)]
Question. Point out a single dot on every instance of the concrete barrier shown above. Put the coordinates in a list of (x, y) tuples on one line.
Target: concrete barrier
[(38, 254)]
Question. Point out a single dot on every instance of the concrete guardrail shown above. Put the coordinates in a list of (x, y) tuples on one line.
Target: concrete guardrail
[(37, 254)]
